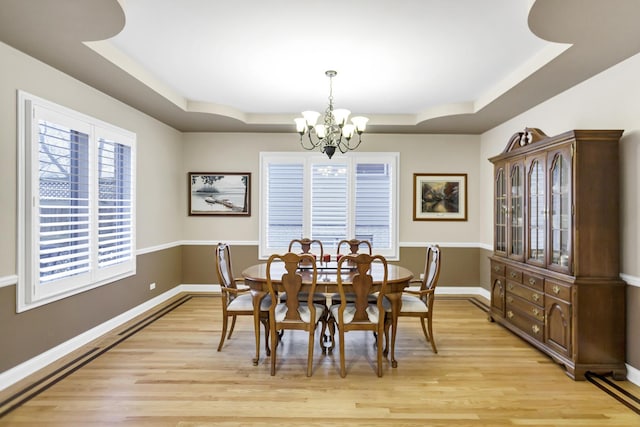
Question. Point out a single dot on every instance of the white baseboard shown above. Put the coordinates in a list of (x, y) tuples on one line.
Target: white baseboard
[(633, 375), (13, 375), (463, 290)]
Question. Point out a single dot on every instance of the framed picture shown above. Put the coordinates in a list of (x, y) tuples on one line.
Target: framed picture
[(439, 197), (220, 193)]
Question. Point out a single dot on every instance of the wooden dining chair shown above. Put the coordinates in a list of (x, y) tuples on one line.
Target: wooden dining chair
[(354, 246), (360, 314), (297, 313), (237, 299), (306, 245), (418, 302)]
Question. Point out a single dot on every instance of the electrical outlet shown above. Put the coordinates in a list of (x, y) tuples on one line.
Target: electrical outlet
[(421, 276), (152, 286)]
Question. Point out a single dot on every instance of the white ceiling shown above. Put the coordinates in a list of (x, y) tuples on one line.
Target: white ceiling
[(392, 57), (414, 66)]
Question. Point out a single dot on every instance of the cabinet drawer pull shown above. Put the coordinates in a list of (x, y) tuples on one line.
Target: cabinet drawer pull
[(535, 311), (535, 329), (556, 289), (532, 281), (535, 297), (496, 268), (513, 274), (510, 286), (510, 300), (509, 314)]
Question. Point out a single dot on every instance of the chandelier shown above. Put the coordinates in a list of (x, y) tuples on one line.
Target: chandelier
[(334, 131)]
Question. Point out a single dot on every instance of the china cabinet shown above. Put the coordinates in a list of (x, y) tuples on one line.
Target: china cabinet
[(555, 267)]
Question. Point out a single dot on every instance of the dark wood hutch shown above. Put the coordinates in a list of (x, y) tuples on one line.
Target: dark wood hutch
[(555, 268)]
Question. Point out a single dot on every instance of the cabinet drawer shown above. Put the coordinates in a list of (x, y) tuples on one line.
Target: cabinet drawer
[(526, 324), (535, 282), (497, 268), (532, 295), (524, 306), (514, 275), (558, 290)]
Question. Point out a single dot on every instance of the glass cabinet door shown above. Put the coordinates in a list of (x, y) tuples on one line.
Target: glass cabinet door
[(537, 213), (500, 211), (516, 247), (560, 204)]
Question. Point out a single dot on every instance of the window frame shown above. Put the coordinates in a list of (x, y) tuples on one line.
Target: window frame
[(30, 293), (308, 159)]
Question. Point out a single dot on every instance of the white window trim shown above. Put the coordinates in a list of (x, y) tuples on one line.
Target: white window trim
[(26, 103), (309, 157)]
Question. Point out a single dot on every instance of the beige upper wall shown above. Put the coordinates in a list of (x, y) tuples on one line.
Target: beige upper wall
[(606, 101), (207, 152), (159, 151)]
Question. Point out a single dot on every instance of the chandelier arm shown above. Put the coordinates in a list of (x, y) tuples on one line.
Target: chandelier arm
[(343, 146), (312, 145), (347, 145)]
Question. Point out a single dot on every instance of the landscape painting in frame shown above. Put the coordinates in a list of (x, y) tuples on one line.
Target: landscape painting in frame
[(213, 193), (439, 197)]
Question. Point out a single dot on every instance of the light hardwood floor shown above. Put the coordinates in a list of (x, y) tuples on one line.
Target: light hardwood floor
[(167, 372)]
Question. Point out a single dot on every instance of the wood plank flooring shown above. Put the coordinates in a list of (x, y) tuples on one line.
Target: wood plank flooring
[(165, 371)]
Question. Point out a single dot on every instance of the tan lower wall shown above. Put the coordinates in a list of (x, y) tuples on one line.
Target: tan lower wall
[(633, 326), (27, 334), (460, 266)]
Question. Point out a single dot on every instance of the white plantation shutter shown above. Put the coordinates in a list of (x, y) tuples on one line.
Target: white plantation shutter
[(115, 200), (285, 188), (64, 211), (374, 204), (306, 195), (77, 227), (329, 203)]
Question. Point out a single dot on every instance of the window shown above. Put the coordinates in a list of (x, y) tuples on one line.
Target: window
[(309, 195), (77, 203)]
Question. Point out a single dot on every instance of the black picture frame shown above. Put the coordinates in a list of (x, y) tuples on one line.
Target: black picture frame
[(219, 193)]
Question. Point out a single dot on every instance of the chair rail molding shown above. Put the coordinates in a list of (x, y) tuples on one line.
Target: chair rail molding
[(8, 280)]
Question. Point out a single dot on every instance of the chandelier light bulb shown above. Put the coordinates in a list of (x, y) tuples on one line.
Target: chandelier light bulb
[(348, 131), (360, 123), (320, 130), (341, 115), (301, 125), (311, 117)]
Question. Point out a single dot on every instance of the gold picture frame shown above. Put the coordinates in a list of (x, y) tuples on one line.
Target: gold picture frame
[(439, 197)]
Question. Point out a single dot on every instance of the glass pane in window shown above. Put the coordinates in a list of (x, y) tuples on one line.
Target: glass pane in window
[(373, 204), (64, 214), (501, 212), (537, 216), (517, 232), (114, 203), (285, 189), (560, 211), (329, 207)]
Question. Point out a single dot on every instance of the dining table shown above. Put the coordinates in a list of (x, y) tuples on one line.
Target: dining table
[(398, 278)]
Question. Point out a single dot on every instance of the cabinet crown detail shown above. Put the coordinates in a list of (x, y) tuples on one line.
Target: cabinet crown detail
[(547, 279), (526, 137)]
